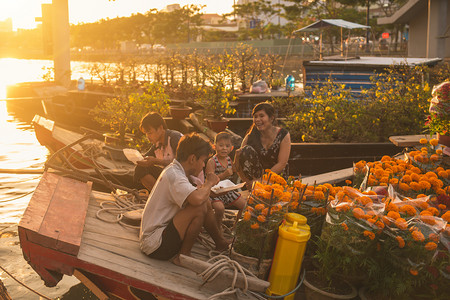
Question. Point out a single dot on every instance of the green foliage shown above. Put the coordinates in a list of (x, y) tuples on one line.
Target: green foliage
[(123, 112), (216, 101), (259, 243), (397, 104)]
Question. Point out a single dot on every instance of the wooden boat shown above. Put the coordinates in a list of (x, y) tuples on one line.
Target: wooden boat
[(83, 152), (61, 235)]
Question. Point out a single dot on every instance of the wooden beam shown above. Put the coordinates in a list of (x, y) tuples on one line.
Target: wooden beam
[(90, 285)]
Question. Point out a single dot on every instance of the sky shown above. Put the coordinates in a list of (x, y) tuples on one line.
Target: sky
[(23, 12)]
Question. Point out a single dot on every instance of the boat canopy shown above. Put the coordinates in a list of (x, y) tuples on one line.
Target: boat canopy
[(331, 22)]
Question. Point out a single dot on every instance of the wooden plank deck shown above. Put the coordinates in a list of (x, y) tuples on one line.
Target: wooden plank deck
[(116, 248), (409, 140)]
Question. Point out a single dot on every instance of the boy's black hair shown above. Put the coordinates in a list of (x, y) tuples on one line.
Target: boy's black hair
[(192, 144), (153, 120), (222, 136)]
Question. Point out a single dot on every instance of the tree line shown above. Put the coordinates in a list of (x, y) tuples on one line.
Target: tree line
[(184, 24)]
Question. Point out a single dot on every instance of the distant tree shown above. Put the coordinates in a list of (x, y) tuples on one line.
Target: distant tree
[(257, 13)]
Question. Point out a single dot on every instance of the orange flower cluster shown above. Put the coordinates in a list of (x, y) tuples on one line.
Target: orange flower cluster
[(405, 176)]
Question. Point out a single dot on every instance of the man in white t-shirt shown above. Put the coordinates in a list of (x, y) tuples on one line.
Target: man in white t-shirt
[(176, 211)]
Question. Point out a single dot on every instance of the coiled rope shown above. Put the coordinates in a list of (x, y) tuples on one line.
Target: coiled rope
[(221, 263), (117, 207)]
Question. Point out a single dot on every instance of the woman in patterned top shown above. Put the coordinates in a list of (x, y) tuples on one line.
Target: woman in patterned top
[(265, 146), (221, 165)]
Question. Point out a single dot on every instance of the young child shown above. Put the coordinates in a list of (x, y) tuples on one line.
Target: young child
[(221, 165)]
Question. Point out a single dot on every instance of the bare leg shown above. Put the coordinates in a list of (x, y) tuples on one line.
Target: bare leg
[(219, 210), (148, 181), (239, 204), (189, 222), (211, 227)]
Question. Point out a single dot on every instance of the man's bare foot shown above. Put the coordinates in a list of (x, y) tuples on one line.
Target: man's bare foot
[(223, 245), (176, 260)]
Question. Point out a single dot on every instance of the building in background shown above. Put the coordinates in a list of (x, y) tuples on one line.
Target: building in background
[(429, 27)]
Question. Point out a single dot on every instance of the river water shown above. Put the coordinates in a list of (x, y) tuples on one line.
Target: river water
[(19, 149)]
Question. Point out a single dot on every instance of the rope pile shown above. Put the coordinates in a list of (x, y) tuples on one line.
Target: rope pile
[(120, 205), (221, 263)]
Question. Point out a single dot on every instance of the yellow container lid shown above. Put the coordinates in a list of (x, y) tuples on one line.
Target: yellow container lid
[(300, 219), (293, 232)]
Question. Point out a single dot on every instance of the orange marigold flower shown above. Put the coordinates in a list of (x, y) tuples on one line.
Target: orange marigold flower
[(393, 181), (415, 170), (442, 206), (401, 241), (446, 216), (415, 176), (443, 174), (404, 187), (433, 210), (358, 213), (265, 211), (415, 186), (254, 226), (430, 246), (365, 200), (261, 218), (386, 220), (417, 236), (359, 165), (406, 178), (247, 216), (369, 234), (423, 141), (433, 237), (434, 142), (428, 219), (319, 195), (379, 224), (426, 212), (385, 158), (391, 207), (401, 223), (342, 207), (434, 157), (393, 215), (260, 206), (424, 185), (344, 226), (348, 182), (408, 209), (413, 272)]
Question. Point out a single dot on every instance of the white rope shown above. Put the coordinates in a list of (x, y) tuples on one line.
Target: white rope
[(118, 207), (222, 263)]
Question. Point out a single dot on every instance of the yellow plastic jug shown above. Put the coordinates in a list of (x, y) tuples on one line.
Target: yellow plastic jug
[(300, 219), (288, 257)]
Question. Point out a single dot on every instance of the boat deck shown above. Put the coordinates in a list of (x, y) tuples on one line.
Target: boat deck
[(114, 247), (61, 235)]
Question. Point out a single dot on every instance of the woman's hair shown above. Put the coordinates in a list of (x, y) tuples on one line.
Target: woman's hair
[(153, 120), (192, 144), (266, 107)]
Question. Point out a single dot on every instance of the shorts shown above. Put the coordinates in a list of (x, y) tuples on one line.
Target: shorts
[(140, 172), (170, 244)]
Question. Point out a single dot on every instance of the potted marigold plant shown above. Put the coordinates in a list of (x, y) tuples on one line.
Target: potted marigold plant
[(438, 121), (215, 101)]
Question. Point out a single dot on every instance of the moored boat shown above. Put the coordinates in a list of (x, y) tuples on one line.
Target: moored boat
[(61, 235)]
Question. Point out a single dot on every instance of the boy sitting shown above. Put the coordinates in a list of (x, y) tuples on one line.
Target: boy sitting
[(162, 152), (176, 211)]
